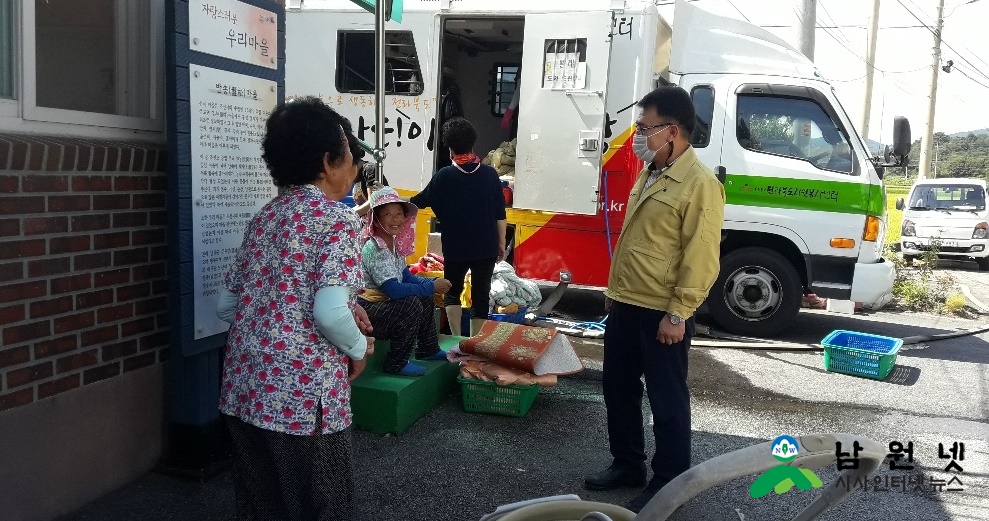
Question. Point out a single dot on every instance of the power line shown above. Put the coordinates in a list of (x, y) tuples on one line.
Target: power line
[(739, 11), (897, 83), (977, 82), (959, 5), (918, 69), (964, 59), (844, 26), (861, 59), (846, 81), (946, 44), (927, 24), (835, 22)]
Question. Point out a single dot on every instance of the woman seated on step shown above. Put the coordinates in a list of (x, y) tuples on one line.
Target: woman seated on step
[(399, 304)]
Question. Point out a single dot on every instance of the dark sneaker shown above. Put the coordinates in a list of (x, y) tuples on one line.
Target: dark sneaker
[(616, 476), (640, 501)]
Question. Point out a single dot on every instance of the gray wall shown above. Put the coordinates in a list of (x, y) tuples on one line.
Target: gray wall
[(62, 452)]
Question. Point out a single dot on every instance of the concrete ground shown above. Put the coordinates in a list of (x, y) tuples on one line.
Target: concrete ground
[(967, 274), (458, 466)]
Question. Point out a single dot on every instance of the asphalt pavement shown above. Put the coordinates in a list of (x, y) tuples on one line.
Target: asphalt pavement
[(457, 466)]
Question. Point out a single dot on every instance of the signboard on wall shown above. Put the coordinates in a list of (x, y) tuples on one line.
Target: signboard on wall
[(235, 30), (225, 72), (565, 64), (230, 181)]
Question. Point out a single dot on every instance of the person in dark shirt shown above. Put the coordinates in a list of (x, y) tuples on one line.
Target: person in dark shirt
[(467, 198)]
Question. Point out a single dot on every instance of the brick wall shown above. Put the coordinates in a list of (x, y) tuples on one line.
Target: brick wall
[(83, 289)]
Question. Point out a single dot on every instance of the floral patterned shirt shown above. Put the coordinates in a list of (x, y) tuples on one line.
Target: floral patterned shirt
[(279, 372), (380, 264)]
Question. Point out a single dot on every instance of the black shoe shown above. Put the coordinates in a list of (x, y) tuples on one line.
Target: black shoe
[(640, 501), (616, 476)]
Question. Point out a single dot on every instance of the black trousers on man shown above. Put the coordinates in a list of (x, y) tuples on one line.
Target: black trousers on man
[(481, 272), (630, 351)]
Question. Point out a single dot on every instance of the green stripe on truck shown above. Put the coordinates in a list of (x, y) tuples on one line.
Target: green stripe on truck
[(805, 194)]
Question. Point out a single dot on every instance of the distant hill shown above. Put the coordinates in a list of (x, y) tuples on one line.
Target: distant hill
[(978, 132)]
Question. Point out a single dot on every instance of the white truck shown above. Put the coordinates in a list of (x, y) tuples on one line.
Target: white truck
[(948, 215), (805, 200)]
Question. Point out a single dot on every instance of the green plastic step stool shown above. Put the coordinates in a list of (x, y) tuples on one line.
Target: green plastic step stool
[(389, 404)]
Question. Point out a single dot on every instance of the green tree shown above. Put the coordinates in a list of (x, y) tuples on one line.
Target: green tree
[(769, 126), (965, 156)]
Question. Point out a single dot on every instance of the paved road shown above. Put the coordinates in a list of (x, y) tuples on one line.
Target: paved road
[(967, 273), (454, 466)]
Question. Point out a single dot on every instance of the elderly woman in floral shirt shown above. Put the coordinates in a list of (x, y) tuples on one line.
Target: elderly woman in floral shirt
[(294, 344)]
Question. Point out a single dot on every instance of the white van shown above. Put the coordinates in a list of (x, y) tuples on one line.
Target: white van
[(805, 200), (949, 214)]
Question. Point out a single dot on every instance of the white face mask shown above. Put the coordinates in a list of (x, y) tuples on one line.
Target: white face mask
[(640, 145)]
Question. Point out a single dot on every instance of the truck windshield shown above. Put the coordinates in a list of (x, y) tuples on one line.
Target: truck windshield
[(852, 130), (948, 197)]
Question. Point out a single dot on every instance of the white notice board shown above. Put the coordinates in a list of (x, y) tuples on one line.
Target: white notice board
[(234, 30), (230, 181)]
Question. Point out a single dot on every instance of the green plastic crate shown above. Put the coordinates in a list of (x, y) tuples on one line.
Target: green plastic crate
[(491, 398), (860, 354)]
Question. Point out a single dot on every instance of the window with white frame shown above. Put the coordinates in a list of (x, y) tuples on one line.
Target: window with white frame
[(88, 62), (504, 82), (6, 49)]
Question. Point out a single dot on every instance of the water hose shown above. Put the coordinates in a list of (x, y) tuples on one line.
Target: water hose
[(708, 337), (725, 340), (816, 451)]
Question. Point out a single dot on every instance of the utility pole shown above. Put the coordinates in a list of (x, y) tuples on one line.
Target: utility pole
[(380, 42), (870, 67), (927, 141), (937, 154), (808, 27)]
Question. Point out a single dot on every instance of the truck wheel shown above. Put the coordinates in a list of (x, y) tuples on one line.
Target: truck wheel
[(758, 293), (983, 263)]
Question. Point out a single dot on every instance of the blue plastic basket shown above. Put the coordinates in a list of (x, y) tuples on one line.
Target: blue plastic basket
[(515, 318), (860, 354)]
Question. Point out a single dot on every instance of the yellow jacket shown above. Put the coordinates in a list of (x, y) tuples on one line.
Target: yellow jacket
[(667, 257)]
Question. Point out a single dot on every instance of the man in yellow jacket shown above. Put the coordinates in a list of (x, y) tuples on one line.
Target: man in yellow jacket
[(666, 261)]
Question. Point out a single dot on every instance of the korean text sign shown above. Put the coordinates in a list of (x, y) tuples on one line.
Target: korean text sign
[(235, 30)]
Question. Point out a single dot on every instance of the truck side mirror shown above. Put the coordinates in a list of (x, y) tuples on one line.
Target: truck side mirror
[(899, 204), (901, 137)]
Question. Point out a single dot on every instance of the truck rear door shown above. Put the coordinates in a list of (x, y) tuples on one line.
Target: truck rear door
[(565, 60)]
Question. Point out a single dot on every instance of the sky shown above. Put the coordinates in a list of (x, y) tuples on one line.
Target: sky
[(904, 54)]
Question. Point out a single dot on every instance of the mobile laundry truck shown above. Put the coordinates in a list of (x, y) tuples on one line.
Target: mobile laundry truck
[(806, 206)]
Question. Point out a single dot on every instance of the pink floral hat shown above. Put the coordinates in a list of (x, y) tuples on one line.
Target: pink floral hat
[(405, 240)]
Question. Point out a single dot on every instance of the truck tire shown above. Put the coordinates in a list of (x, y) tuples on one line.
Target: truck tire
[(983, 263), (758, 293)]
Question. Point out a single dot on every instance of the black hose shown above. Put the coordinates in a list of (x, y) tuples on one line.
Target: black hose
[(771, 345)]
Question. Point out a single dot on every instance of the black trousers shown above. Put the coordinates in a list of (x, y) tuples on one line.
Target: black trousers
[(631, 351), (406, 323), (480, 283), (284, 477)]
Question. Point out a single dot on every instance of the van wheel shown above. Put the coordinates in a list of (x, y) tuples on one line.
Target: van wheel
[(983, 263), (758, 293)]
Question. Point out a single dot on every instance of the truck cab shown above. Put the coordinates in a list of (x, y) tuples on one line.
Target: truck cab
[(805, 205), (948, 216)]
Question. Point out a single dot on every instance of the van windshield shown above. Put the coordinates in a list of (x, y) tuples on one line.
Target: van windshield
[(948, 197)]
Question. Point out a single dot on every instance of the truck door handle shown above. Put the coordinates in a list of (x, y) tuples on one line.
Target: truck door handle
[(588, 144)]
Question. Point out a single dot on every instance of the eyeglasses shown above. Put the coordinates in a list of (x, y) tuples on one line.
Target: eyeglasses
[(642, 129)]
